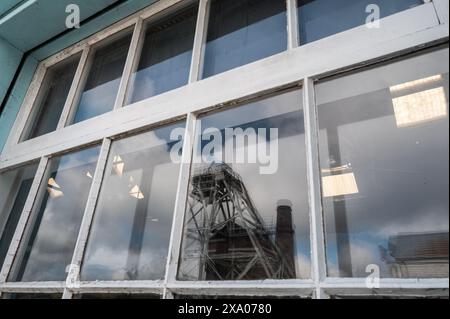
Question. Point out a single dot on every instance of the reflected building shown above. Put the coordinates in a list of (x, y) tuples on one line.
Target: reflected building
[(416, 254), (227, 237)]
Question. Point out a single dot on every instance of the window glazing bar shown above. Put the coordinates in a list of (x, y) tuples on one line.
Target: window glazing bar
[(32, 287), (132, 59), (441, 7), (198, 50), (74, 88), (74, 269), (292, 27), (128, 286), (180, 202), (318, 263)]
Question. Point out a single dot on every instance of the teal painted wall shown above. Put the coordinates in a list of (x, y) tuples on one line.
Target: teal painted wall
[(9, 61), (118, 13), (16, 98), (8, 53)]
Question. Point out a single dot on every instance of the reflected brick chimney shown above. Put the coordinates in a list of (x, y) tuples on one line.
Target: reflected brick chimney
[(285, 232)]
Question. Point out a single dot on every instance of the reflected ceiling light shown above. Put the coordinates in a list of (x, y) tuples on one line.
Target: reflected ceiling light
[(131, 181), (88, 174), (136, 192), (54, 189), (415, 84), (338, 185), (118, 165), (419, 107)]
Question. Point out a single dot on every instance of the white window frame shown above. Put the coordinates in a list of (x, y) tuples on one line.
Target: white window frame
[(401, 33)]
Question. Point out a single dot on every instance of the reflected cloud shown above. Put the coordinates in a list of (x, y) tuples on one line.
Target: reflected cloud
[(131, 228)]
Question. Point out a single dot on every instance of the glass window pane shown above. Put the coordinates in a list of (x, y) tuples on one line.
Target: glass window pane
[(384, 146), (166, 56), (321, 18), (52, 97), (247, 215), (243, 31), (102, 84), (130, 233), (14, 188), (50, 238)]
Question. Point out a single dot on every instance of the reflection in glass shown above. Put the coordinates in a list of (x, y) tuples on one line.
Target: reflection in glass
[(321, 18), (166, 56), (247, 214), (14, 188), (51, 235), (384, 160), (243, 31), (131, 230), (52, 97), (99, 93)]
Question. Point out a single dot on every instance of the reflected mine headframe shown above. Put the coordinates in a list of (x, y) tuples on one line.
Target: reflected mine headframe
[(226, 237)]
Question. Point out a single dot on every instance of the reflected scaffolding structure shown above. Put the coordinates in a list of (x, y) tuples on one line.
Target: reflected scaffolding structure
[(225, 236)]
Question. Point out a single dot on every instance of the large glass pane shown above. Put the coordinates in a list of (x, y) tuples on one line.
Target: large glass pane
[(321, 18), (52, 97), (14, 188), (247, 214), (131, 230), (99, 93), (243, 31), (52, 232), (384, 146), (166, 56)]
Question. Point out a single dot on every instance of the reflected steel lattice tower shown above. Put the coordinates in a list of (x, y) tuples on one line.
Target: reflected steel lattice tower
[(226, 238)]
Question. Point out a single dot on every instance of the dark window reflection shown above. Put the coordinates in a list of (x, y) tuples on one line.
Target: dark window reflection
[(52, 97), (241, 223), (14, 188), (321, 18), (243, 31), (166, 56), (52, 233), (384, 159), (99, 93), (131, 230)]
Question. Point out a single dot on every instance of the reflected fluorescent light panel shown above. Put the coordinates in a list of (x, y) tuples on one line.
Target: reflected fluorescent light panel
[(136, 192), (416, 83), (54, 189), (420, 107), (118, 165), (338, 185)]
